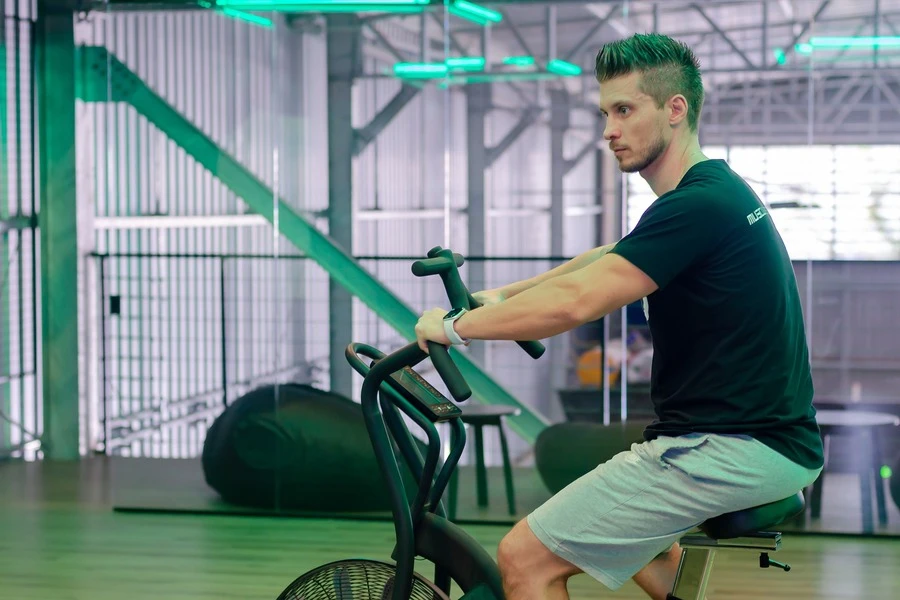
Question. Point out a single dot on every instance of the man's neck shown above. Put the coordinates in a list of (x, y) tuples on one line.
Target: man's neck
[(667, 171)]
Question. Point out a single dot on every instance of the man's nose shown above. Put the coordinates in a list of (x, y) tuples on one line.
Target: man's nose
[(610, 132)]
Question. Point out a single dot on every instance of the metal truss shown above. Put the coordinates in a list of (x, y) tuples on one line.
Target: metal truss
[(842, 96), (862, 107), (104, 78)]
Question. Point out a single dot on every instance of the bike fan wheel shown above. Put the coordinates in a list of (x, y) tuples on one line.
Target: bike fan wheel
[(356, 580)]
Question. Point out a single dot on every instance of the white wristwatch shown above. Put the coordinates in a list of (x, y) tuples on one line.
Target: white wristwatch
[(449, 319)]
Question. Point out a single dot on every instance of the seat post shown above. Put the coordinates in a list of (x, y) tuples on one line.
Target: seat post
[(747, 529), (693, 574)]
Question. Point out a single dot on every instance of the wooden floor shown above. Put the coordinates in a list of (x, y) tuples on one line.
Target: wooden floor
[(59, 539)]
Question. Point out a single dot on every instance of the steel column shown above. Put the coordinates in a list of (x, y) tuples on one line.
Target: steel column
[(5, 263), (57, 220), (478, 103), (293, 139), (559, 123), (344, 63), (555, 379)]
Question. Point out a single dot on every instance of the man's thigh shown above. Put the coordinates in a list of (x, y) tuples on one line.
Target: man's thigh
[(614, 520)]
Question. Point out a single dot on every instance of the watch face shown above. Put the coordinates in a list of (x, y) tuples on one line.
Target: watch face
[(454, 313)]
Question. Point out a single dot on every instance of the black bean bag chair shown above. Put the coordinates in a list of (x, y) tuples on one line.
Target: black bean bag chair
[(295, 447), (566, 451)]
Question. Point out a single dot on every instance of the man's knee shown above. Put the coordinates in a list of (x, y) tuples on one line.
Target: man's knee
[(513, 551), (522, 557)]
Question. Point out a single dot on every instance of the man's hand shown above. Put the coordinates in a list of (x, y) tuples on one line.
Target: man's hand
[(431, 328), (488, 297)]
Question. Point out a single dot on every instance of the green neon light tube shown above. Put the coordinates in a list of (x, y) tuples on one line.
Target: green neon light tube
[(240, 15), (519, 61), (324, 2), (844, 43), (855, 42), (420, 70), (561, 67), (477, 14), (248, 17), (342, 6), (473, 63)]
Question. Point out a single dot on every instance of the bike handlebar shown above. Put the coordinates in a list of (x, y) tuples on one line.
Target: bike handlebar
[(446, 263)]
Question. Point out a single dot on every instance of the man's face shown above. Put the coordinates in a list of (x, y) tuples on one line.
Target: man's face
[(637, 131)]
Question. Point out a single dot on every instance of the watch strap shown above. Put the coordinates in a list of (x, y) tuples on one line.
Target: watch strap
[(450, 331)]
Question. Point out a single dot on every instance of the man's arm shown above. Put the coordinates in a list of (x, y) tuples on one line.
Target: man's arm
[(560, 303), (579, 262)]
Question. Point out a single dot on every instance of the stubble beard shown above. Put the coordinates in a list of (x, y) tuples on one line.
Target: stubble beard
[(654, 151)]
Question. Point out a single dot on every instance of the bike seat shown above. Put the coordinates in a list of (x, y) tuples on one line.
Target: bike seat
[(751, 520)]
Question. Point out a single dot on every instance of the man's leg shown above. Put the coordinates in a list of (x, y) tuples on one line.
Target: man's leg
[(529, 570), (658, 576), (607, 522)]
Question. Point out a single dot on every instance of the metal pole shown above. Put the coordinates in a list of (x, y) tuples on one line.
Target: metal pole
[(763, 60), (55, 94), (103, 354), (222, 323)]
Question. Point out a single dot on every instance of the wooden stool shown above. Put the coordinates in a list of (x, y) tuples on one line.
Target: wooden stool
[(479, 416)]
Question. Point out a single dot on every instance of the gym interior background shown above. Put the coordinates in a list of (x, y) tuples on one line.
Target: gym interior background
[(204, 202)]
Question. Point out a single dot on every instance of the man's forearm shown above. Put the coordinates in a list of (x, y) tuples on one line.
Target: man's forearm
[(579, 262), (537, 313), (559, 304)]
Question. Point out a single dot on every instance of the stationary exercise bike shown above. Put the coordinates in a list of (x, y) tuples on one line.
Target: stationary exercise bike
[(422, 528)]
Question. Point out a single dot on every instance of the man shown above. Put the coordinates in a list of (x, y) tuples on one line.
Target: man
[(731, 381)]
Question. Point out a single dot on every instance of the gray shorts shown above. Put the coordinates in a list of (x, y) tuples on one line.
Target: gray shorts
[(614, 520)]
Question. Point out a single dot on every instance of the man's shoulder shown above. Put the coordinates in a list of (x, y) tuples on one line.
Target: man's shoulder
[(701, 193), (708, 185), (717, 176)]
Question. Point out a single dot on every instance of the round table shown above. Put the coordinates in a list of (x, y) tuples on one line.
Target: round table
[(837, 419), (867, 427)]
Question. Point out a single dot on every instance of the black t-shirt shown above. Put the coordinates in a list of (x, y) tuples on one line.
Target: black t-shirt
[(729, 345)]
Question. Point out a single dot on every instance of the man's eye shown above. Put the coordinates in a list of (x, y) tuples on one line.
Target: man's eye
[(623, 110)]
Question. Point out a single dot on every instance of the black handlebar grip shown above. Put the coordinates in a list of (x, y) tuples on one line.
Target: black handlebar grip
[(449, 372), (435, 265), (533, 348), (428, 266)]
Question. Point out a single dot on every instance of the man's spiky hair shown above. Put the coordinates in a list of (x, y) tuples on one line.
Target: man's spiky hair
[(667, 67)]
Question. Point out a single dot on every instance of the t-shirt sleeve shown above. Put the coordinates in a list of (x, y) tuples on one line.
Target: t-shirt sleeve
[(673, 234)]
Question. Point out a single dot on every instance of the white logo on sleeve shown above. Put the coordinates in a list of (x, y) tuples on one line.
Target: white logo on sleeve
[(756, 215)]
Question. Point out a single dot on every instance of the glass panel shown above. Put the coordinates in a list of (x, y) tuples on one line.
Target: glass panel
[(176, 116), (387, 133), (814, 147), (847, 175)]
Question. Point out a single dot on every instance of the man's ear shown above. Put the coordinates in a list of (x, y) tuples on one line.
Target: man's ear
[(678, 109)]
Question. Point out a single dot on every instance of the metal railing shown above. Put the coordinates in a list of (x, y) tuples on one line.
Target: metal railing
[(183, 335)]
